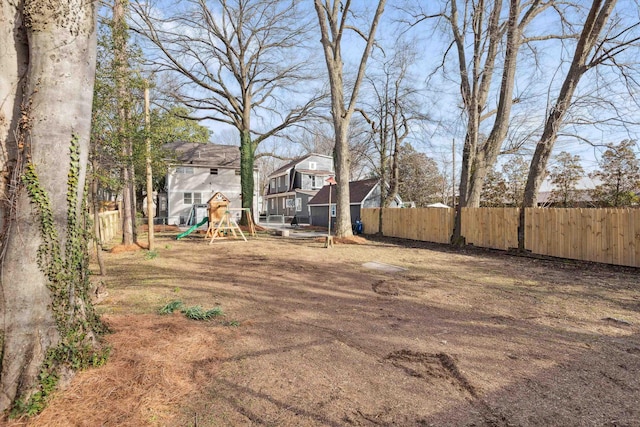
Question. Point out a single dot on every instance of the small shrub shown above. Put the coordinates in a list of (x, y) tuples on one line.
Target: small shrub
[(171, 307), (151, 255), (197, 313)]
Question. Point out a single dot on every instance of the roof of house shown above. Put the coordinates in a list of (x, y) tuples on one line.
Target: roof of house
[(294, 162), (578, 196), (358, 191), (205, 154)]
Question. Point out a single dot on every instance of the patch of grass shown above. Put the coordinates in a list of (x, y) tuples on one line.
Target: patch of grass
[(171, 307), (232, 323), (151, 255), (198, 313)]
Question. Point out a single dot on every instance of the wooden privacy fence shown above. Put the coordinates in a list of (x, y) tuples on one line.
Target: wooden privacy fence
[(611, 236), (495, 228), (601, 235), (110, 225), (425, 224)]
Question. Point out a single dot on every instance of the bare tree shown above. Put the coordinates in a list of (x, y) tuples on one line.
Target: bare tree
[(48, 323), (389, 109), (235, 62), (120, 38), (319, 137), (483, 34), (419, 179), (595, 47), (333, 20)]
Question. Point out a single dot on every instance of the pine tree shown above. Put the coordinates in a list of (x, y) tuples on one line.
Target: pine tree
[(564, 176), (620, 175), (493, 190)]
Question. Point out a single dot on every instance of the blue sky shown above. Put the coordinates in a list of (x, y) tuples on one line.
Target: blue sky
[(537, 83)]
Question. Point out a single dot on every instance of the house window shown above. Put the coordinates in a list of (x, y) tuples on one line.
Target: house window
[(273, 204), (313, 165), (298, 204), (284, 203), (272, 184), (184, 170), (237, 172), (316, 182), (213, 171), (192, 198), (333, 210)]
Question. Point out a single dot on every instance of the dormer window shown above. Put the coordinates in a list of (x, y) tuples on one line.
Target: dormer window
[(313, 166)]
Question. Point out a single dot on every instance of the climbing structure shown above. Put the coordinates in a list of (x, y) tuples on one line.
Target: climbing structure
[(223, 227)]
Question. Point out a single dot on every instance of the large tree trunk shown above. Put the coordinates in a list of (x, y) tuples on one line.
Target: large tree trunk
[(343, 175), (480, 157), (56, 104), (594, 24), (96, 225), (127, 203), (247, 160), (488, 152), (122, 94), (149, 172), (13, 65), (332, 19)]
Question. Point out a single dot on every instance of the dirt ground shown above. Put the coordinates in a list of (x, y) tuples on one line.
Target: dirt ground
[(311, 337)]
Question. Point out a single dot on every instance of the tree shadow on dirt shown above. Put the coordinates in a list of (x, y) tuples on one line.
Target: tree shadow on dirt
[(324, 341)]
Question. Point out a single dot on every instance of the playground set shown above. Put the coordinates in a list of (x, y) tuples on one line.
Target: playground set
[(221, 221)]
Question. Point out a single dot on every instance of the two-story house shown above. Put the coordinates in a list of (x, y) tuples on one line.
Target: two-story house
[(197, 173), (294, 184)]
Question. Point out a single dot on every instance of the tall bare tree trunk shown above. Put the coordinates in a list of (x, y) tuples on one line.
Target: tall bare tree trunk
[(96, 226), (332, 17), (479, 157), (150, 201), (41, 247), (593, 26), (122, 98)]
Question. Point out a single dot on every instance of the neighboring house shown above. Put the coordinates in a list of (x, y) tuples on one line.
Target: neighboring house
[(581, 196), (294, 184), (362, 194), (200, 171)]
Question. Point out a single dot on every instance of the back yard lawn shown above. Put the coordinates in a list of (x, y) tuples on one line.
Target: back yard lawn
[(311, 337)]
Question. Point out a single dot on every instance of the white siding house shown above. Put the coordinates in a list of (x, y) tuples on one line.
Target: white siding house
[(199, 171)]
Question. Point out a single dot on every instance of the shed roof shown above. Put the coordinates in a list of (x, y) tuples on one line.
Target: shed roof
[(358, 191)]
